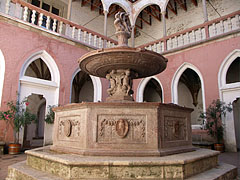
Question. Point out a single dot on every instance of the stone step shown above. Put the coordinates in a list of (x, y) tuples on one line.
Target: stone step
[(221, 172), (22, 171)]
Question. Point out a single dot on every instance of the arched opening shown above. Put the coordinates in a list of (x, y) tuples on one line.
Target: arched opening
[(2, 72), (190, 94), (233, 73), (82, 88), (39, 77), (34, 132), (38, 69), (236, 116), (229, 87), (152, 91)]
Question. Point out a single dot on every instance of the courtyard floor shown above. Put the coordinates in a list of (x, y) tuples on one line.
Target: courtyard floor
[(7, 159)]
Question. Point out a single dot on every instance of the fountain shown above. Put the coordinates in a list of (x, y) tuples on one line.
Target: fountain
[(119, 139)]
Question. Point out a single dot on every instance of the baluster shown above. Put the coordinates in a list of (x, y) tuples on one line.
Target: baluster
[(95, 44), (187, 38), (181, 40), (169, 44), (54, 25), (158, 47), (150, 47), (214, 29), (237, 21), (100, 44), (33, 16), (221, 27), (79, 34), (90, 38), (60, 27), (73, 31), (175, 42), (155, 47), (229, 24), (200, 34), (193, 36), (109, 44), (7, 7), (40, 20), (48, 22), (25, 13), (85, 36)]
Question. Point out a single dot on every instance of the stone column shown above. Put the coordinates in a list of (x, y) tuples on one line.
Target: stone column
[(205, 14), (132, 36), (105, 27), (69, 9), (164, 23)]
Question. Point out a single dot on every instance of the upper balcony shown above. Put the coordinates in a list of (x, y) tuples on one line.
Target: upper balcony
[(35, 17)]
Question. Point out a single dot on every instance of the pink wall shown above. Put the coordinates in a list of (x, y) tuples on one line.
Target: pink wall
[(18, 44), (207, 58)]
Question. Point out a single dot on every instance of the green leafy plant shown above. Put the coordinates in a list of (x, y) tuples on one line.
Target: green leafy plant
[(49, 118), (213, 116), (17, 116)]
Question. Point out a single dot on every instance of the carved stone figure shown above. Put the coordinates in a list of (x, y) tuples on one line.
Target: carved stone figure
[(123, 28), (122, 127), (127, 85), (122, 23), (112, 88)]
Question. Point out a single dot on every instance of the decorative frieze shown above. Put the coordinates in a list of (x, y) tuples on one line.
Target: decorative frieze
[(121, 129), (69, 128), (175, 128)]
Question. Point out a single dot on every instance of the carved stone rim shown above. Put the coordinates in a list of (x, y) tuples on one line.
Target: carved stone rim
[(144, 62)]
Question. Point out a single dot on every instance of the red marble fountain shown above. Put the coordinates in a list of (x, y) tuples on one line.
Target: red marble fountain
[(120, 138)]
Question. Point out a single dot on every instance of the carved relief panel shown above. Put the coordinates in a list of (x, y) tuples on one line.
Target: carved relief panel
[(69, 128), (175, 128), (121, 129)]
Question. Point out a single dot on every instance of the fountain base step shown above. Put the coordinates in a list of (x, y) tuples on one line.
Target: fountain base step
[(42, 163)]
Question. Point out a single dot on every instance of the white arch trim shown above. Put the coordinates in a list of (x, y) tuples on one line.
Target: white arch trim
[(222, 74), (2, 73), (97, 87), (142, 85), (48, 60), (175, 80), (49, 89), (229, 93), (134, 8)]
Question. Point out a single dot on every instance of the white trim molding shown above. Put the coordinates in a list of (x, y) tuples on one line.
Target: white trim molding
[(175, 80), (2, 73), (97, 87), (49, 89), (229, 93), (142, 85)]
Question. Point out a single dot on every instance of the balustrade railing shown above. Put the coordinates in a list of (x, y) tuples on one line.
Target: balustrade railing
[(39, 17), (205, 31)]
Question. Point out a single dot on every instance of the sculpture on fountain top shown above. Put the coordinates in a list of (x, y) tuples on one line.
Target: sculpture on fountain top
[(123, 28)]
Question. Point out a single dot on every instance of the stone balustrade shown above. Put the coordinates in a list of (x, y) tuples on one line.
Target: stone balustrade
[(53, 23), (206, 31)]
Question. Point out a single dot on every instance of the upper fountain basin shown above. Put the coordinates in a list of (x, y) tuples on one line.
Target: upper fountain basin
[(141, 61)]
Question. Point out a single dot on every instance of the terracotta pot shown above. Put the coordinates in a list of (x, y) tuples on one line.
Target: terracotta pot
[(14, 148), (219, 147)]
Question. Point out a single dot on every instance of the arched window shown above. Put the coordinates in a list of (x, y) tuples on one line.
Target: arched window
[(152, 91), (38, 69), (82, 88), (233, 73), (2, 72)]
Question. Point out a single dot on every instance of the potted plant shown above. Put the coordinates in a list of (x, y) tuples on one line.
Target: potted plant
[(17, 116), (50, 116), (213, 119)]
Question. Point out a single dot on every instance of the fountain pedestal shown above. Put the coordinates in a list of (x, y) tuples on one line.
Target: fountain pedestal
[(122, 129)]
